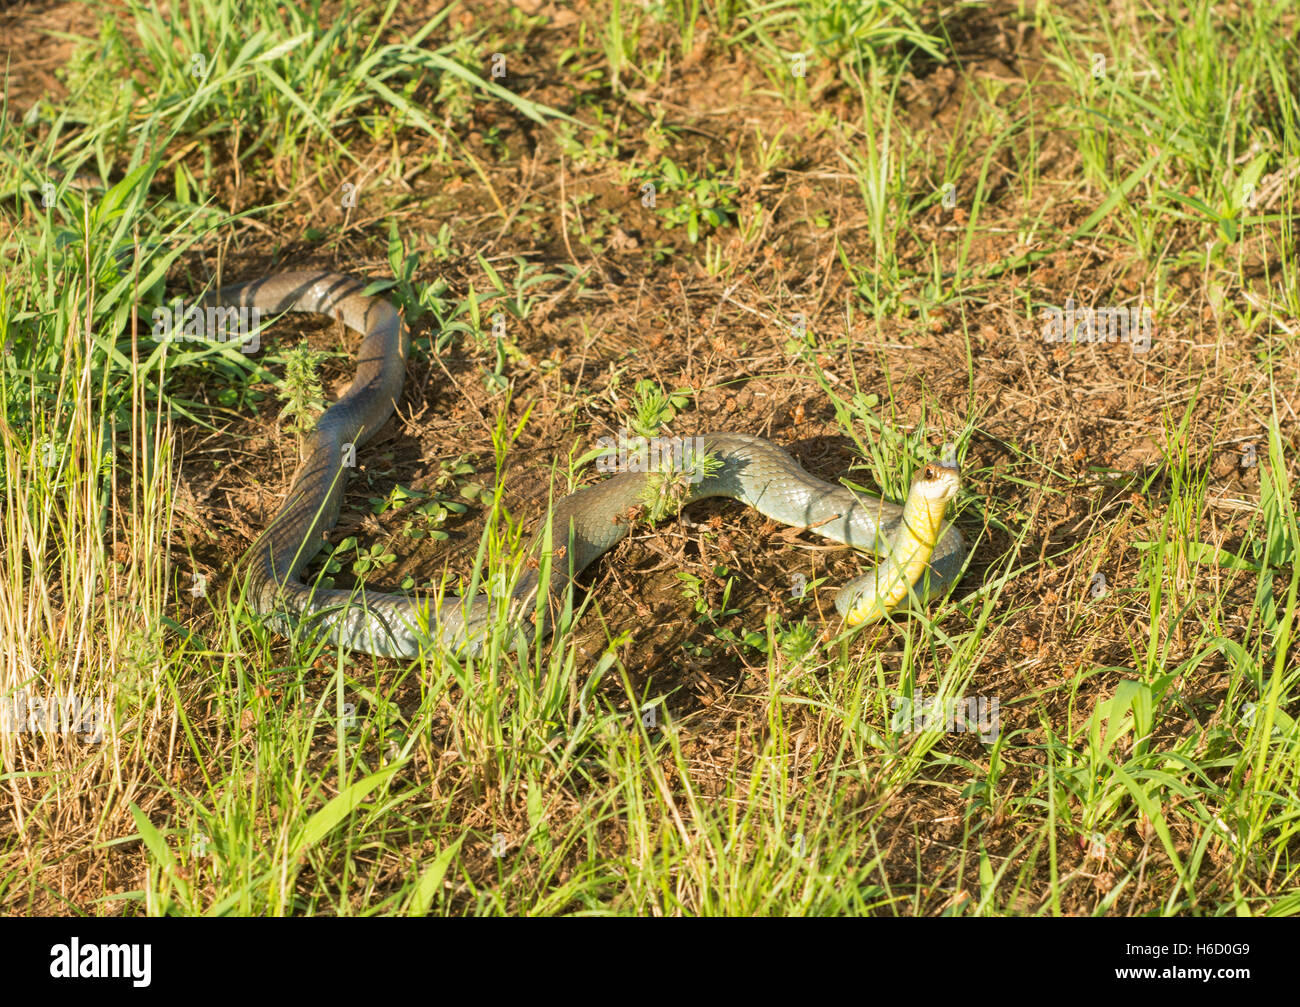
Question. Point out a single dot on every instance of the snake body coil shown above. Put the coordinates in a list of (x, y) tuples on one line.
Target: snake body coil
[(919, 555)]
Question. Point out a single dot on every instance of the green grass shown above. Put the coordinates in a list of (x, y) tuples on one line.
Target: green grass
[(741, 760)]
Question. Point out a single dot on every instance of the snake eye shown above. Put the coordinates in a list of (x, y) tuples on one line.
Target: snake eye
[(929, 473)]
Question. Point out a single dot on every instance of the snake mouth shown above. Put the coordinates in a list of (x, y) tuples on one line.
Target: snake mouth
[(937, 482)]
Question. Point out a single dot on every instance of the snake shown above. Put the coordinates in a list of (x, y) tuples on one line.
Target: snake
[(920, 556)]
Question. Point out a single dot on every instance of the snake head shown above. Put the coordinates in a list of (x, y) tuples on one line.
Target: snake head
[(937, 483)]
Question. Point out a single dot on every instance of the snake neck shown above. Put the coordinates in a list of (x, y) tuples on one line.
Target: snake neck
[(906, 561)]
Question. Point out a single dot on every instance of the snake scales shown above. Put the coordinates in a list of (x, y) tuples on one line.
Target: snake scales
[(908, 538)]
